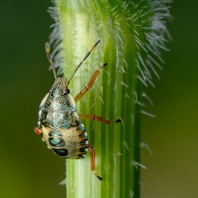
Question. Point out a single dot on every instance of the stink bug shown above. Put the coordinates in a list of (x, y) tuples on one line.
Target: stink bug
[(59, 125)]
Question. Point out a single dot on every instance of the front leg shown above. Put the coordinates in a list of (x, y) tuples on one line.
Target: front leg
[(90, 84)]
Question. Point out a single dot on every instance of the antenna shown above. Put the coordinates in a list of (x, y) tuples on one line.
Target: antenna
[(47, 49), (82, 61)]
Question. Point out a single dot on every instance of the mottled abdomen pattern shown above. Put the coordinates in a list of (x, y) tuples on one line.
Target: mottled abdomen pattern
[(61, 128)]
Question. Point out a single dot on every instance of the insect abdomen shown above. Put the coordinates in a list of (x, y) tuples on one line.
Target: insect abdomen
[(68, 143), (61, 127)]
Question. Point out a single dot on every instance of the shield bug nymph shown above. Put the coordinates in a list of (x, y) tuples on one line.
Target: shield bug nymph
[(59, 125)]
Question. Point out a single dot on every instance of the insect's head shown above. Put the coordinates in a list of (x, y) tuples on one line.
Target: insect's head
[(59, 87)]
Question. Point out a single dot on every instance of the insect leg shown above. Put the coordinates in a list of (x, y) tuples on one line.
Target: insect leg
[(37, 131), (90, 84), (98, 118), (92, 153)]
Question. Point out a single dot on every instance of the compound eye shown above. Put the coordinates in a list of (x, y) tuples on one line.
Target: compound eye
[(66, 91)]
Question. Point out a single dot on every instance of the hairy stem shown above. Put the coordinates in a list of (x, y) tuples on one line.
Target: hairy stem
[(131, 35)]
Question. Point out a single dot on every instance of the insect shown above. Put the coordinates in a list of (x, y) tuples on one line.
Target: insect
[(59, 125)]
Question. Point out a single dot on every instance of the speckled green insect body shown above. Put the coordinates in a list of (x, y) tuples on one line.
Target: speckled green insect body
[(59, 125)]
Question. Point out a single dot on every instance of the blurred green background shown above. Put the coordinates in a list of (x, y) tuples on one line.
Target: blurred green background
[(28, 169)]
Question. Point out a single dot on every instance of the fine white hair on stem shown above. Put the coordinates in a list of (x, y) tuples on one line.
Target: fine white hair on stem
[(155, 36), (55, 38), (143, 144), (137, 164), (148, 98)]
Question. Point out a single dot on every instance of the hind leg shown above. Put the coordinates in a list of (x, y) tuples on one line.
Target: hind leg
[(92, 153)]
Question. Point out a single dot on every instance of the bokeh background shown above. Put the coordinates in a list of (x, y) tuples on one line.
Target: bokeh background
[(28, 169)]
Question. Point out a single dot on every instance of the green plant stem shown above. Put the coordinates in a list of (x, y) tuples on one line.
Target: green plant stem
[(122, 27)]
